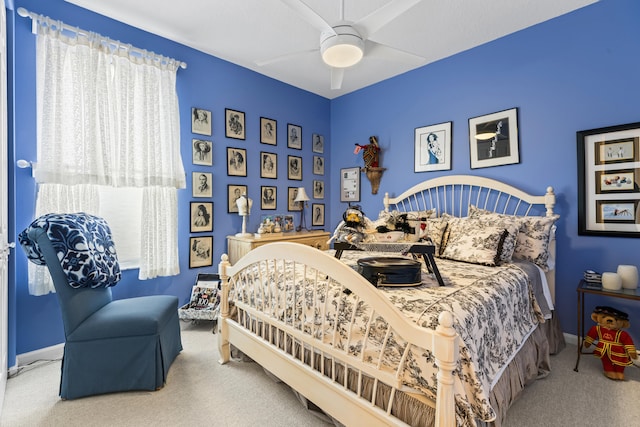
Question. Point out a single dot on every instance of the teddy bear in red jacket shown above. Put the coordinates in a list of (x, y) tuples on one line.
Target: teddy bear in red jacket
[(614, 346)]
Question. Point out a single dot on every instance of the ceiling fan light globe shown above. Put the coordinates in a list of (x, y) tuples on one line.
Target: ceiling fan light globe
[(343, 49)]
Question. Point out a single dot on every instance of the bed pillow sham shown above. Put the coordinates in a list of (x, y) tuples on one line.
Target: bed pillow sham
[(474, 242), (534, 235)]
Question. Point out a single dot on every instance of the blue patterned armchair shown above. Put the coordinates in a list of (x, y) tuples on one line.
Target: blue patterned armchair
[(110, 346)]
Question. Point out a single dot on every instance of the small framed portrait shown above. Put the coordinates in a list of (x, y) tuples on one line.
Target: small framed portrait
[(350, 184), (317, 214), (268, 131), (202, 152), (200, 121), (432, 148), (318, 189), (292, 205), (200, 251), (201, 184), (268, 165), (234, 124), (201, 217), (236, 161), (234, 192), (318, 165), (493, 139), (287, 221), (294, 136), (294, 168), (317, 143), (268, 196)]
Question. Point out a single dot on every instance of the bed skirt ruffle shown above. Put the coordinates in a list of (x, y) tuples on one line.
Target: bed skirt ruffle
[(530, 364)]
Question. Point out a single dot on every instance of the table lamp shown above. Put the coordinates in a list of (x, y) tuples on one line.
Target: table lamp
[(244, 209), (301, 198)]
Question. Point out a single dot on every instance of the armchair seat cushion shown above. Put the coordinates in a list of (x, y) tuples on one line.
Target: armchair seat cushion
[(127, 318)]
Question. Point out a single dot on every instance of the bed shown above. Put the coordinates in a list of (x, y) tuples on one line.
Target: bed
[(419, 355)]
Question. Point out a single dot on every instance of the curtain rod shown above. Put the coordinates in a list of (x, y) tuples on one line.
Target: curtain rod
[(35, 18)]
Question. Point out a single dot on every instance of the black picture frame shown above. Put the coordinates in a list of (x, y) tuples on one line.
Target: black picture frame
[(318, 165), (268, 165), (268, 131), (294, 136), (608, 177), (350, 184), (201, 121), (432, 147), (200, 217), (318, 189), (202, 184), (268, 197), (294, 168), (293, 206), (493, 139), (236, 161), (317, 214), (234, 192), (200, 251), (202, 153), (317, 143), (234, 124)]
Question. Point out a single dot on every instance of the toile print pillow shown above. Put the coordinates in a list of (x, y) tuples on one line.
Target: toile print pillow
[(534, 235), (474, 242), (509, 223), (436, 228)]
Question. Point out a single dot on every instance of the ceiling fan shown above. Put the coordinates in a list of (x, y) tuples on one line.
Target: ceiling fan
[(345, 43)]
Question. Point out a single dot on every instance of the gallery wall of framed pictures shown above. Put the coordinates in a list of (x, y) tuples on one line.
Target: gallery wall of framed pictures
[(240, 155)]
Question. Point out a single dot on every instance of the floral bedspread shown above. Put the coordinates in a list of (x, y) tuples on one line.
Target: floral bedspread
[(494, 312)]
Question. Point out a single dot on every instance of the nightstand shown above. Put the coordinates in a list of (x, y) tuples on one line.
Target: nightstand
[(584, 288), (237, 247)]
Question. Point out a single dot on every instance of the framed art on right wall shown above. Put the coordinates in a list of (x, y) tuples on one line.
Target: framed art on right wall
[(493, 139), (608, 175), (432, 146)]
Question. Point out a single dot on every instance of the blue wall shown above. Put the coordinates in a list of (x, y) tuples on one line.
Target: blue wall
[(576, 72), (208, 83)]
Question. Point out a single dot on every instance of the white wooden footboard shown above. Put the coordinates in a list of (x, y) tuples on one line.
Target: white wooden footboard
[(290, 343)]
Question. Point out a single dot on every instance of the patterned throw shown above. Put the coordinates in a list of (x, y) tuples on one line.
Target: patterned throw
[(84, 247)]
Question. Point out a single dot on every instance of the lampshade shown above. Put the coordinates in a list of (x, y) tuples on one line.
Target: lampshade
[(343, 49), (302, 195)]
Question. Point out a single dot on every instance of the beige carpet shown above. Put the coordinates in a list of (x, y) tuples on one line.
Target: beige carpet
[(199, 391)]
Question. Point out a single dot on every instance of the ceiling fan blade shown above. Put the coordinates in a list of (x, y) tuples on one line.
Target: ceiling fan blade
[(388, 53), (309, 15), (382, 16), (337, 74), (285, 57)]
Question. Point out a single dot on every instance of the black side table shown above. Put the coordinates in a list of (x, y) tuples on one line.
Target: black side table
[(584, 288)]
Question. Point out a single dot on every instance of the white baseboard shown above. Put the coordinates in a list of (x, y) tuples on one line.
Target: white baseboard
[(570, 338), (48, 353)]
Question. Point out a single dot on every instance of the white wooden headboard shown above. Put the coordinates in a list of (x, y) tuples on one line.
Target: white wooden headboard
[(453, 194)]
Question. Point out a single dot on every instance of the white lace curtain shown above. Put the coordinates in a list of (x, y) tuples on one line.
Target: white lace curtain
[(108, 116)]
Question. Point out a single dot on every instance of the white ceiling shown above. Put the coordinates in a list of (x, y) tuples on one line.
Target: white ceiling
[(245, 32)]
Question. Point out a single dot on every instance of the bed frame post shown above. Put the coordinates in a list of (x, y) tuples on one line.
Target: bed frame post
[(223, 333), (386, 202), (445, 350), (549, 200)]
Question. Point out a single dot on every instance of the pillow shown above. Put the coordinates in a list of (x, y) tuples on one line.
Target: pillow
[(509, 223), (534, 235), (436, 229), (475, 242)]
